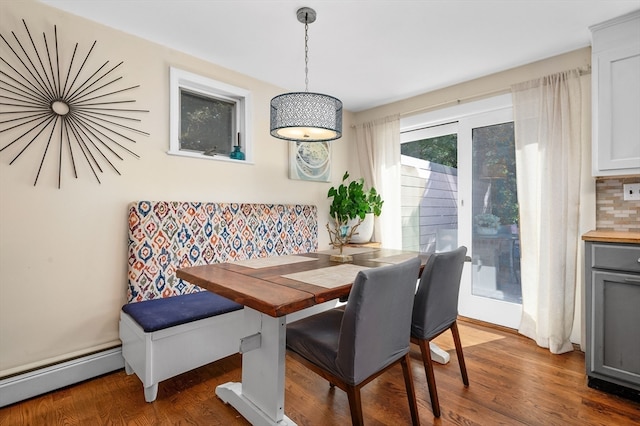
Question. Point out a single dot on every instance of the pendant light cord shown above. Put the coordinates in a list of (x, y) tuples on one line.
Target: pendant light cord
[(306, 53)]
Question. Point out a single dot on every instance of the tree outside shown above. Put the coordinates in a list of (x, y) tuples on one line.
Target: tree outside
[(440, 150), (494, 163)]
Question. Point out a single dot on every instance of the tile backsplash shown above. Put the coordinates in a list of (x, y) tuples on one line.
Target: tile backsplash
[(612, 212)]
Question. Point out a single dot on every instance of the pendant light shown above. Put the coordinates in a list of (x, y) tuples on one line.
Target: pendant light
[(306, 116)]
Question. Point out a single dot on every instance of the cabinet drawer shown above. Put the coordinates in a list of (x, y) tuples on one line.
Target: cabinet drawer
[(617, 257)]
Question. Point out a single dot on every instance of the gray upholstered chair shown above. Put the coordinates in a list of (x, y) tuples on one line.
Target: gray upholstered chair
[(435, 310), (352, 346)]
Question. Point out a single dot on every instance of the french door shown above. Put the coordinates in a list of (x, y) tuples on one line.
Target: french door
[(485, 199)]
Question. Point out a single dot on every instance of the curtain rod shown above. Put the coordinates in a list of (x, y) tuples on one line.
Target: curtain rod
[(458, 101), (454, 101), (582, 70)]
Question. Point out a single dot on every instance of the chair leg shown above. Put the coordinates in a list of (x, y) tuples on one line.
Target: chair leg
[(411, 393), (355, 405), (456, 340), (431, 379)]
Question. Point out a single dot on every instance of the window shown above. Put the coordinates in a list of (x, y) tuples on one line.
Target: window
[(459, 188), (429, 191), (208, 118)]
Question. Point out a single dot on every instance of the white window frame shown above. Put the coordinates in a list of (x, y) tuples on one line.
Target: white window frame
[(462, 119), (180, 79)]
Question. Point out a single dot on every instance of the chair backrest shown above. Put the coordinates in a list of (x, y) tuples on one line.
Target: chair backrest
[(377, 318), (435, 306)]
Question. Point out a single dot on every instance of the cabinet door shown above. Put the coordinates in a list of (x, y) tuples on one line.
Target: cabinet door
[(617, 108), (615, 337)]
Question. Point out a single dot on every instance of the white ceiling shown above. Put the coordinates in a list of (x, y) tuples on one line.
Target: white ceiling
[(367, 53)]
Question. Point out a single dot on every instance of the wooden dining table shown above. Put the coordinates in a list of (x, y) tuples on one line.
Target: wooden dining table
[(274, 291)]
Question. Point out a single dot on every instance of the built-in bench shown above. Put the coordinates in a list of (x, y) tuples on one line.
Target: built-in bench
[(170, 326)]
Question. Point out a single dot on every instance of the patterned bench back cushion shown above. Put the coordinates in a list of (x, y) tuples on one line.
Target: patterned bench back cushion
[(168, 235)]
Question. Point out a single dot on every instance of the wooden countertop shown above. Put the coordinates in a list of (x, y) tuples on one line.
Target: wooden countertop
[(612, 237)]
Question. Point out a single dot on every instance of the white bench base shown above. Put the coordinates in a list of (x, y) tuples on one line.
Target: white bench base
[(159, 355)]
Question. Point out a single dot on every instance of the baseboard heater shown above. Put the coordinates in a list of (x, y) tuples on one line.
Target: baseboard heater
[(37, 382)]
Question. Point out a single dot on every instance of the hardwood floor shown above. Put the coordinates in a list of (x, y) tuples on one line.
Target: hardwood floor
[(512, 382)]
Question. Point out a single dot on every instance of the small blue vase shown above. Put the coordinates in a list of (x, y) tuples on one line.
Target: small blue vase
[(236, 154)]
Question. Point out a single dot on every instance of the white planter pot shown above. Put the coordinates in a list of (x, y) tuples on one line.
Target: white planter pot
[(365, 230), (486, 231)]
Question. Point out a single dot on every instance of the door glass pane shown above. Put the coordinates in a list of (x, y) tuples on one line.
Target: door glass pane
[(495, 239), (429, 194)]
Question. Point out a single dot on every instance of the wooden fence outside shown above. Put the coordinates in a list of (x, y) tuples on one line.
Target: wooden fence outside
[(429, 193)]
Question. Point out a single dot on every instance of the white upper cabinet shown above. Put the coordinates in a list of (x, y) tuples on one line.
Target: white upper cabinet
[(616, 96)]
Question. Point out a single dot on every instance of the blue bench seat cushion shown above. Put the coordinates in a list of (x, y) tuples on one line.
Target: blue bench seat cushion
[(158, 314)]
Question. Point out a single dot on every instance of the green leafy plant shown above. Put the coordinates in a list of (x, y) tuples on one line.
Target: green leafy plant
[(486, 221), (350, 200)]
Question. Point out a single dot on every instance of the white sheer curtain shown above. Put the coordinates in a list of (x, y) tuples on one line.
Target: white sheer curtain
[(378, 149), (549, 158)]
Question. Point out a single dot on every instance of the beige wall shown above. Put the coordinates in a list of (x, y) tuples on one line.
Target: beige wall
[(63, 252)]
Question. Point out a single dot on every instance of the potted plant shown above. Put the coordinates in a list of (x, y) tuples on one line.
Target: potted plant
[(350, 205), (486, 224)]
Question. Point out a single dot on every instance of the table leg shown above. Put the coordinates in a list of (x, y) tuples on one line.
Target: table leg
[(260, 396), (438, 355)]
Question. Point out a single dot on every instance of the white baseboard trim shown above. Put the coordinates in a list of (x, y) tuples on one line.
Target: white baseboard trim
[(33, 383)]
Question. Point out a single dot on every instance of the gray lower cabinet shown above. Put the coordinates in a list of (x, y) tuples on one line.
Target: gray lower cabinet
[(613, 317)]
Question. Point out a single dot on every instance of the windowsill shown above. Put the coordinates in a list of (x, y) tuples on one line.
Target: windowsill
[(208, 157)]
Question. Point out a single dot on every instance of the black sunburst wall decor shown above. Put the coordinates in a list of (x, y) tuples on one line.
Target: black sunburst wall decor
[(66, 111)]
